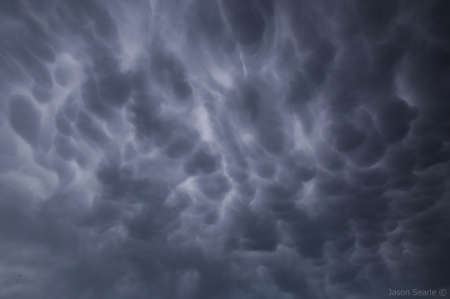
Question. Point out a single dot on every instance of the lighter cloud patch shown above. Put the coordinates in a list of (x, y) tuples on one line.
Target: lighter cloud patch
[(227, 202), (69, 72), (189, 186), (30, 175), (86, 181), (300, 140), (39, 189), (247, 138), (203, 123), (244, 68), (133, 24), (187, 284), (221, 76)]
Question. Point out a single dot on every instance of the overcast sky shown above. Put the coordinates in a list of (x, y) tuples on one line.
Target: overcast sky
[(224, 149)]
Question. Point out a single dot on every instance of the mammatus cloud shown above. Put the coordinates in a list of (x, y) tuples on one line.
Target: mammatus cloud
[(224, 149)]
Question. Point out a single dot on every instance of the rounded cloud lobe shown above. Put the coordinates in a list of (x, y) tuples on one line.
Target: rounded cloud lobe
[(224, 149)]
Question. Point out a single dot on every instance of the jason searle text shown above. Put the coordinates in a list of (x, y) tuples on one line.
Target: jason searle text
[(417, 292)]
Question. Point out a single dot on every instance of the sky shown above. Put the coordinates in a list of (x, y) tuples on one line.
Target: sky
[(224, 149)]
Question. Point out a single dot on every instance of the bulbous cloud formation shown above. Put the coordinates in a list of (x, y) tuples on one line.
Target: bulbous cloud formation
[(235, 149)]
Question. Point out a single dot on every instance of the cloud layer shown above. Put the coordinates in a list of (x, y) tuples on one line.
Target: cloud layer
[(224, 149)]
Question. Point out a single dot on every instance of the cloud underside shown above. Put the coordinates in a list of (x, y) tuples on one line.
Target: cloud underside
[(224, 149)]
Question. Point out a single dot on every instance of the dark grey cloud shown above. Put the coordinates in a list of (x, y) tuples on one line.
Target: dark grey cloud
[(224, 149), (245, 19), (24, 118)]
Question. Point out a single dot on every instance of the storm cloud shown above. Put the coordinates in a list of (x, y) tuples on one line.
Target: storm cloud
[(224, 149)]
